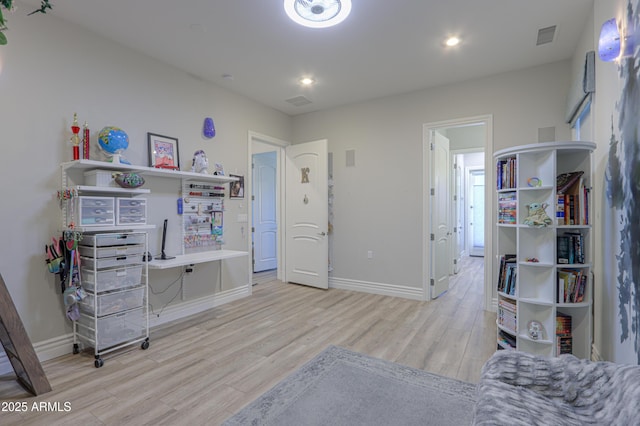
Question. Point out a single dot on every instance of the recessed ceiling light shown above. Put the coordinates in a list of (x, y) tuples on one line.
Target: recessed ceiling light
[(452, 41), (317, 13), (307, 81)]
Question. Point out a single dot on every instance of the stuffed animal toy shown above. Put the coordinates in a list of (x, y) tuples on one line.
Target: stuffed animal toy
[(538, 217)]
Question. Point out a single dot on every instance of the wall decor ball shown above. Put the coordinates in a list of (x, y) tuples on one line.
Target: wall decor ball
[(128, 180)]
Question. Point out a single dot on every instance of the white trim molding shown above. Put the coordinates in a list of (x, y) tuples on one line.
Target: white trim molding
[(406, 292)]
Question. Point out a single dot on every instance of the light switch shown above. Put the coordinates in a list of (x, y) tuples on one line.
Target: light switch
[(243, 218)]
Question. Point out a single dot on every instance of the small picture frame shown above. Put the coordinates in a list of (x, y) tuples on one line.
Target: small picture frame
[(236, 188), (163, 152)]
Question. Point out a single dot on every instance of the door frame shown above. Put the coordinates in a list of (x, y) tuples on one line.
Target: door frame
[(427, 184), (279, 146)]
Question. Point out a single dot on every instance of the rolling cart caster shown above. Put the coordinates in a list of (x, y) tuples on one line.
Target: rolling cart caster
[(145, 345), (98, 362), (76, 349)]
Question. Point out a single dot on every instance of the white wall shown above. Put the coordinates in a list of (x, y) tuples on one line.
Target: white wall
[(51, 69), (378, 203)]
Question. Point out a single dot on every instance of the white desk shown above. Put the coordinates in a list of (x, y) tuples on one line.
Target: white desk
[(193, 258)]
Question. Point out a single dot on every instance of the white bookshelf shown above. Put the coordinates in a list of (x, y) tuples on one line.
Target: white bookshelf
[(532, 170)]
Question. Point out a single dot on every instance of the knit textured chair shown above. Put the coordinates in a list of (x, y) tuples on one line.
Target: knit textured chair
[(517, 388)]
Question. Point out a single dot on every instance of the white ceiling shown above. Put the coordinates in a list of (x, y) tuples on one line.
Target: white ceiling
[(384, 47)]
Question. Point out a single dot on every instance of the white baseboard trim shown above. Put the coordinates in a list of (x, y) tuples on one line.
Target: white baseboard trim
[(63, 345), (377, 288), (192, 307)]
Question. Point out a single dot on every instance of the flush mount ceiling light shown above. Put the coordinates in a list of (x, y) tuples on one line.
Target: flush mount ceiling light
[(317, 13), (307, 81), (452, 41)]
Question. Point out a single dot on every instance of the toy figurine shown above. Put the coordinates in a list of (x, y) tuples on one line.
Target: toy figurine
[(538, 217), (200, 163)]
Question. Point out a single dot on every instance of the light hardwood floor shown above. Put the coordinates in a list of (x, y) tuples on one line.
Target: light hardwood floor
[(202, 370)]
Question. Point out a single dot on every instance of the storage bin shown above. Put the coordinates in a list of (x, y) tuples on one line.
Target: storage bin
[(131, 211), (100, 178), (110, 279), (111, 251), (112, 329), (111, 262), (111, 303), (114, 239), (96, 211)]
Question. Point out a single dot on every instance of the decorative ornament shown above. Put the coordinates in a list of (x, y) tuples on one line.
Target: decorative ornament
[(536, 330), (75, 128), (209, 129), (609, 41), (85, 141), (200, 163), (128, 180), (113, 141)]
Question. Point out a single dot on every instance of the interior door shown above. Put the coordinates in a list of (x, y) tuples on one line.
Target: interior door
[(476, 212), (307, 214), (265, 225), (457, 246), (440, 206)]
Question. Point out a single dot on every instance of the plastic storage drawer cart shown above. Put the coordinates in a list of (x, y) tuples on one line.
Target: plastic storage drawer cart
[(114, 313)]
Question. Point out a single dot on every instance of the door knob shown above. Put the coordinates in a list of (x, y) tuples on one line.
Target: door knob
[(322, 234)]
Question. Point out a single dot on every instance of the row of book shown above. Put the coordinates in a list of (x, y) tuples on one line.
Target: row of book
[(570, 248), (507, 207), (573, 199), (507, 316), (564, 338), (506, 173), (572, 284), (506, 340), (507, 274)]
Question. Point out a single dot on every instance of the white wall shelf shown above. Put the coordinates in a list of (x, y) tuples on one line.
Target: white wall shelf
[(195, 258), (147, 171)]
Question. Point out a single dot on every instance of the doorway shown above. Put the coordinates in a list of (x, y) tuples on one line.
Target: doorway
[(265, 183), (465, 135)]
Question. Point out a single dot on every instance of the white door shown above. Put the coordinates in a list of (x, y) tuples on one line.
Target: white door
[(265, 225), (440, 219), (476, 212), (307, 214)]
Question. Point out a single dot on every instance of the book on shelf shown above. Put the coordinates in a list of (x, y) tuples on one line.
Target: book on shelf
[(507, 202), (507, 315), (506, 173), (572, 199), (564, 337), (570, 248), (507, 274), (572, 284), (507, 340)]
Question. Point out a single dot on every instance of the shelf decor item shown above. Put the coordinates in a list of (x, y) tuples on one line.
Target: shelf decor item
[(163, 152), (538, 217), (113, 141), (128, 180), (208, 130), (200, 162), (75, 139)]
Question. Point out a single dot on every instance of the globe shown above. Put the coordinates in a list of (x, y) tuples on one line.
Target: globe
[(113, 141)]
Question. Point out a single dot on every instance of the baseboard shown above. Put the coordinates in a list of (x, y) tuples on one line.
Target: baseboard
[(192, 307), (63, 345), (377, 288)]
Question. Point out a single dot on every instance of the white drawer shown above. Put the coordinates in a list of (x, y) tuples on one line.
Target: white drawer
[(131, 211), (96, 211), (110, 279), (115, 239), (111, 303), (111, 262), (111, 251), (113, 329)]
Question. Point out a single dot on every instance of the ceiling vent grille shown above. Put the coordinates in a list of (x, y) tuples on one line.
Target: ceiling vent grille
[(299, 101), (546, 35)]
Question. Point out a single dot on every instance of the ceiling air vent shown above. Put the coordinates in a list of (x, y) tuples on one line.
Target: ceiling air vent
[(299, 101), (546, 35)]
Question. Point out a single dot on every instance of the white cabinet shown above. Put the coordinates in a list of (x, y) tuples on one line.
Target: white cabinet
[(544, 279)]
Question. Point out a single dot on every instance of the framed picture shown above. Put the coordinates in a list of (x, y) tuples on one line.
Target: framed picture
[(236, 188), (163, 152)]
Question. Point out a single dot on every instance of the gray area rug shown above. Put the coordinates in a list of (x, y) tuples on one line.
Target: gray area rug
[(341, 387)]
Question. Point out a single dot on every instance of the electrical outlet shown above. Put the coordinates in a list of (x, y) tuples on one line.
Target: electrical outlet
[(370, 254), (189, 269)]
